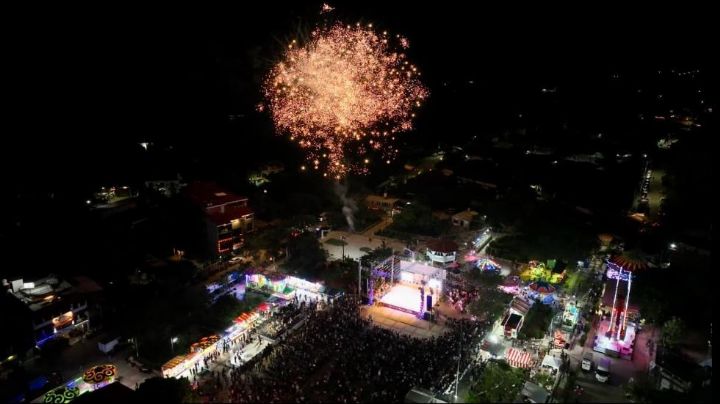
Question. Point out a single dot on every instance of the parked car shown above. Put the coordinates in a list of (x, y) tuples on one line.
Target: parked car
[(602, 373), (587, 361)]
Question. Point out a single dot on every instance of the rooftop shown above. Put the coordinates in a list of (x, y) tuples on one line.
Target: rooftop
[(380, 198), (419, 268), (209, 194), (42, 292), (466, 215), (513, 320), (443, 246), (230, 213)]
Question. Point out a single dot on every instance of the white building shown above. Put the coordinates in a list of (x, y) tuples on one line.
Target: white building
[(442, 252)]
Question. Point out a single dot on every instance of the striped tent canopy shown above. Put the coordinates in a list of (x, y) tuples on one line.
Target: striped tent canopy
[(630, 261), (245, 317), (518, 358)]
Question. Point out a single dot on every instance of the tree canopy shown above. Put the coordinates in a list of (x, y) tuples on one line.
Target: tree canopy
[(536, 322), (306, 257), (417, 219), (499, 383), (546, 233)]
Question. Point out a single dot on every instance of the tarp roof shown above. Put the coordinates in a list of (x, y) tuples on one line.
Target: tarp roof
[(418, 268), (552, 361), (535, 393)]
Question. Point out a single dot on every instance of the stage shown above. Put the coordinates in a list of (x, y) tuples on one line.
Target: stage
[(405, 298), (403, 323)]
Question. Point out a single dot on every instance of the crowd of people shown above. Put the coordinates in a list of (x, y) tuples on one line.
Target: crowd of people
[(460, 299), (339, 356)]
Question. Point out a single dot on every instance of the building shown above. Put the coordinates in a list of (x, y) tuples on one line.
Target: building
[(520, 306), (512, 323), (381, 202), (47, 308), (442, 252), (226, 216), (464, 218), (168, 187), (674, 371)]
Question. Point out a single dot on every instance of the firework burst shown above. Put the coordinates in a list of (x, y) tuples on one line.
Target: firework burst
[(344, 95)]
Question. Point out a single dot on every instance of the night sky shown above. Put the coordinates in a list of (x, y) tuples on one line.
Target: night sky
[(86, 87)]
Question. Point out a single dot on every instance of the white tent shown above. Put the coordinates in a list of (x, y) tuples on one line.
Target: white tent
[(550, 361)]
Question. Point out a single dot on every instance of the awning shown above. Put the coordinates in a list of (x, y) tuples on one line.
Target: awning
[(519, 359), (551, 361)]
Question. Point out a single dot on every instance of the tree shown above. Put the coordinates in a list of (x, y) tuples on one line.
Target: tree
[(490, 304), (417, 218), (545, 380), (569, 390), (536, 322), (672, 332), (485, 279), (498, 383), (306, 257), (375, 256), (165, 390), (640, 388)]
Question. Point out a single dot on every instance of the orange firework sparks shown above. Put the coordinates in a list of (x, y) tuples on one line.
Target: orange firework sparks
[(348, 89)]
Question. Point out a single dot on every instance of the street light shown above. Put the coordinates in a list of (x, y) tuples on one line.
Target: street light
[(359, 278), (173, 340), (137, 351), (343, 246)]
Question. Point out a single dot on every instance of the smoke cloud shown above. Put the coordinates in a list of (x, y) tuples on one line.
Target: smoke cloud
[(349, 206)]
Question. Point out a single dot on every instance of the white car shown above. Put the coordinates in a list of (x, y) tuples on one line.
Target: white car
[(587, 361), (602, 373)]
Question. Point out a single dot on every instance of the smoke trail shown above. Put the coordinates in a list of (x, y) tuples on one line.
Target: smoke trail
[(349, 206)]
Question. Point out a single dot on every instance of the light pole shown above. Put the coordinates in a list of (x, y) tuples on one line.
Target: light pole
[(359, 276), (343, 247), (173, 340)]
